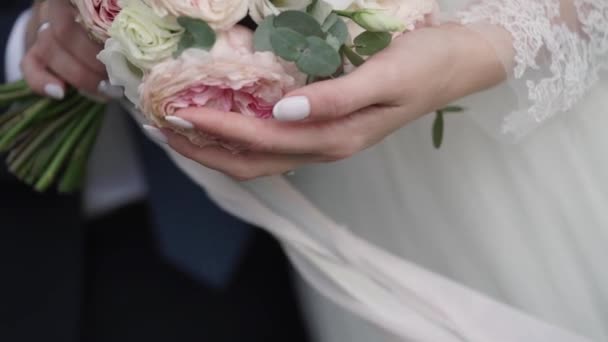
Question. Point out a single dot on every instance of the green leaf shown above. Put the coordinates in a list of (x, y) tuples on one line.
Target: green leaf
[(287, 43), (198, 35), (320, 10), (345, 14), (438, 128), (338, 28), (369, 43), (333, 42), (329, 22), (453, 109), (352, 56), (319, 58), (261, 37), (301, 22), (186, 42)]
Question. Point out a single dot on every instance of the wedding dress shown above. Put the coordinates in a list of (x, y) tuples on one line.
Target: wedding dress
[(501, 235)]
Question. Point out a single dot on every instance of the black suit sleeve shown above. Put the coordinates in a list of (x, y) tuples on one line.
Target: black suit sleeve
[(9, 12)]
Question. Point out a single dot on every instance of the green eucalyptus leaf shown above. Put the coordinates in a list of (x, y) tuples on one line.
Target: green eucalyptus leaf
[(329, 22), (338, 28), (301, 22), (333, 42), (320, 10), (198, 34), (261, 37), (287, 43), (319, 58), (369, 43), (186, 42), (352, 56), (438, 130)]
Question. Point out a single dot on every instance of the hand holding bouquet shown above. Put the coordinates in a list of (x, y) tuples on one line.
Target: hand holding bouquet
[(171, 55)]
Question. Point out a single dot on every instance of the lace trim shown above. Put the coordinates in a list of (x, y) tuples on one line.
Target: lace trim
[(555, 64)]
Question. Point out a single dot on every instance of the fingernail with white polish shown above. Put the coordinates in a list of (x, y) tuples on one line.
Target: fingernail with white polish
[(156, 134), (109, 90), (179, 122), (55, 91), (292, 109)]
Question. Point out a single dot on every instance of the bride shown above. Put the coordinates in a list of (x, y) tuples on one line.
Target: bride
[(500, 235)]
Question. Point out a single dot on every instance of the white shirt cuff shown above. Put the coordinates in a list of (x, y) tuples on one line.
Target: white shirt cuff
[(15, 47)]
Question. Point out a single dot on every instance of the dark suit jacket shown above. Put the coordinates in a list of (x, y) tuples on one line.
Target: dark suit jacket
[(40, 248), (42, 237)]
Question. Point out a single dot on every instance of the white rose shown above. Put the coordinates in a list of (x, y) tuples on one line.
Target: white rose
[(260, 9), (340, 4), (146, 38), (120, 71), (219, 14), (376, 20), (409, 11)]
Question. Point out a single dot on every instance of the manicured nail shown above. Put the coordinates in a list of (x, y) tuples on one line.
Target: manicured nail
[(109, 90), (292, 109), (179, 122), (156, 134), (44, 26), (55, 91)]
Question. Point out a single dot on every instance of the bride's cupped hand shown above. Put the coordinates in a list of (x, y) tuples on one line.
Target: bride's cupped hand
[(60, 52), (331, 120)]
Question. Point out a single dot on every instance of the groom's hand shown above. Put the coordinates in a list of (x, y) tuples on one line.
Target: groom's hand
[(60, 52), (419, 73)]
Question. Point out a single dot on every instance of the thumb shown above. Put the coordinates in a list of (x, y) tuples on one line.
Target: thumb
[(330, 99)]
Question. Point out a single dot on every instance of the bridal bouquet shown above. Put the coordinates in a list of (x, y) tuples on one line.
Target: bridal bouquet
[(174, 54)]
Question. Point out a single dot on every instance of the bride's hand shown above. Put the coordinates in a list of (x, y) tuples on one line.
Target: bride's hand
[(331, 120), (60, 51)]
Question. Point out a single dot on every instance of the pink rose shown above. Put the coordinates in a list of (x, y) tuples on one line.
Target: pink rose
[(97, 16), (230, 77)]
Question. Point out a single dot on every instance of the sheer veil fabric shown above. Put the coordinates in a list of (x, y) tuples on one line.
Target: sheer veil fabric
[(483, 240)]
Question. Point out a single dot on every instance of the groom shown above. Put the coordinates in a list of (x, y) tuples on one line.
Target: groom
[(166, 265)]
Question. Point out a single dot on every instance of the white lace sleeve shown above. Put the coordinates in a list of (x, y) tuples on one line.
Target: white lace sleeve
[(559, 49)]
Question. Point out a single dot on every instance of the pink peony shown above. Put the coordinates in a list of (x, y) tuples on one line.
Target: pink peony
[(97, 16), (230, 77)]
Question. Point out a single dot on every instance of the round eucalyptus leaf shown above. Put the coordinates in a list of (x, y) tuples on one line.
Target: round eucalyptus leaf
[(329, 22), (339, 30), (319, 58), (333, 42), (301, 22), (186, 42), (369, 43), (319, 10), (287, 43), (261, 37), (202, 35)]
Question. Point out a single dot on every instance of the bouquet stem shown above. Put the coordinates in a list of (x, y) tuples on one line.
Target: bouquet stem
[(48, 141)]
